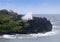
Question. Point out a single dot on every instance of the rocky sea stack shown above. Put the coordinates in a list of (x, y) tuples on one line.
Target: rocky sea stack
[(12, 23)]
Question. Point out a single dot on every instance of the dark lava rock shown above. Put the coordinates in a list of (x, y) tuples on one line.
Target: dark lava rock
[(39, 25)]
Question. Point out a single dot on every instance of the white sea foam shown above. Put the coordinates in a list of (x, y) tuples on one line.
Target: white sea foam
[(21, 36), (45, 34), (9, 36)]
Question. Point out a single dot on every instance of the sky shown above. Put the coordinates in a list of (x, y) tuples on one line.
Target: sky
[(34, 6)]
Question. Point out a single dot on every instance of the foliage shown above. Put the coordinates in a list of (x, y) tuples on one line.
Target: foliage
[(9, 24)]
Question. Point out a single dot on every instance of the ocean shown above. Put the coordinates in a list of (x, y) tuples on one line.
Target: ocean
[(52, 36)]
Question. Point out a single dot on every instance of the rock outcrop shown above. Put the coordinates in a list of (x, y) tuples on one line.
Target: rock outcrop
[(12, 23), (38, 25)]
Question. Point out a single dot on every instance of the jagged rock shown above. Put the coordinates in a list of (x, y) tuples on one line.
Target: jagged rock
[(38, 25)]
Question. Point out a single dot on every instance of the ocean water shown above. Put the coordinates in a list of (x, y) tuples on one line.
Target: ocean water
[(52, 36)]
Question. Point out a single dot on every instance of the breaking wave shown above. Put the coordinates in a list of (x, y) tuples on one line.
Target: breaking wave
[(21, 36)]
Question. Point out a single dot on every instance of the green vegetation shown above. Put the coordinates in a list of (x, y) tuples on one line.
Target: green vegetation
[(9, 23)]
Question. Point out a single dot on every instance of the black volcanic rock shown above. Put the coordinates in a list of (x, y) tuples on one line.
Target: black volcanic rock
[(38, 25)]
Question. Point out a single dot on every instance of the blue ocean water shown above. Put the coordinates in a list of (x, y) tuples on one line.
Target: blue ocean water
[(53, 36)]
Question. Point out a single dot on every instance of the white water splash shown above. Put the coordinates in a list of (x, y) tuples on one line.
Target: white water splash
[(22, 36), (9, 36), (28, 16), (45, 34), (54, 26)]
